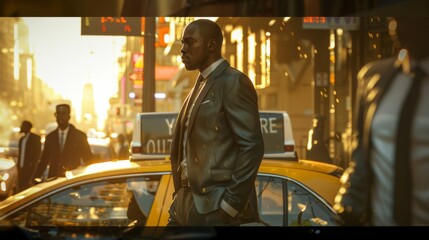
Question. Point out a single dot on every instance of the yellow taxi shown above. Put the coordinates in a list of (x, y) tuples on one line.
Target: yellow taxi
[(138, 191), (290, 193)]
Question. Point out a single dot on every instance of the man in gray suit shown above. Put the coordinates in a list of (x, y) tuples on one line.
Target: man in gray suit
[(217, 141)]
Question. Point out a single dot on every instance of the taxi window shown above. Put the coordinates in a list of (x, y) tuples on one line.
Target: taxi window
[(303, 208), (270, 200), (102, 203)]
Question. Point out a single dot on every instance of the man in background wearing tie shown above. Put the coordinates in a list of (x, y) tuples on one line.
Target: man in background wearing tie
[(386, 183), (65, 148), (29, 152)]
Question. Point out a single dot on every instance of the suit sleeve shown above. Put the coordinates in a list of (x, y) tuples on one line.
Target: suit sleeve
[(37, 148), (43, 160), (242, 113), (86, 153), (351, 202)]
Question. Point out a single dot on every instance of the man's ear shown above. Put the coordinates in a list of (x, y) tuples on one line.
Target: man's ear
[(212, 44)]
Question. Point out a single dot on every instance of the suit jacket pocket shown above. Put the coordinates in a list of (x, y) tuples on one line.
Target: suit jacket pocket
[(206, 104), (221, 175)]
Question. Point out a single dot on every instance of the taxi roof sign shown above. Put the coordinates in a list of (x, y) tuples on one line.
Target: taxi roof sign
[(152, 136)]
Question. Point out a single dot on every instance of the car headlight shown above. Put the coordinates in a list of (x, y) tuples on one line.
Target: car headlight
[(5, 176), (3, 187)]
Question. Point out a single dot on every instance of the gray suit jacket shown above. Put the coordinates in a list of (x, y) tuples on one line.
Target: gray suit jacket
[(225, 142)]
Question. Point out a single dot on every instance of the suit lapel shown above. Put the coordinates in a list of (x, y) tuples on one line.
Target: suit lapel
[(57, 142), (178, 133), (69, 137), (208, 85), (182, 116), (377, 91)]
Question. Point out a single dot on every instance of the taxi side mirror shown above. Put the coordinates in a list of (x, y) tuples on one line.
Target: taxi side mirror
[(37, 181)]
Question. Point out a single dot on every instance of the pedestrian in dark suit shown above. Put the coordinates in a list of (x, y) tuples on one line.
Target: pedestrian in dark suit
[(217, 143), (28, 155), (386, 183), (74, 152), (123, 152)]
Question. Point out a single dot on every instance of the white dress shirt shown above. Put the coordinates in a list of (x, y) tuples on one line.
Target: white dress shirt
[(22, 150), (383, 137)]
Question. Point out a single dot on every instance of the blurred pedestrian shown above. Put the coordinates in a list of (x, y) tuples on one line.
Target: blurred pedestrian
[(123, 152), (317, 145), (65, 148), (385, 184), (217, 141), (29, 148)]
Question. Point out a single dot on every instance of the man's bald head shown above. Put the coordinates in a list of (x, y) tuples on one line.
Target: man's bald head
[(209, 30), (201, 44)]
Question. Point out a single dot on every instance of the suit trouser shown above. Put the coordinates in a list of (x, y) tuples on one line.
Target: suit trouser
[(24, 180), (184, 213)]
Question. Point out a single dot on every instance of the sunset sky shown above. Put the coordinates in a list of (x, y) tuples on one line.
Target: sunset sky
[(65, 60)]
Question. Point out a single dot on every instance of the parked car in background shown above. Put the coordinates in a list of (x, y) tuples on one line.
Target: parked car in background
[(8, 172), (11, 151), (102, 149)]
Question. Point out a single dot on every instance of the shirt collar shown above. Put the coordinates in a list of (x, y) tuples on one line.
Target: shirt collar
[(65, 131), (211, 68)]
